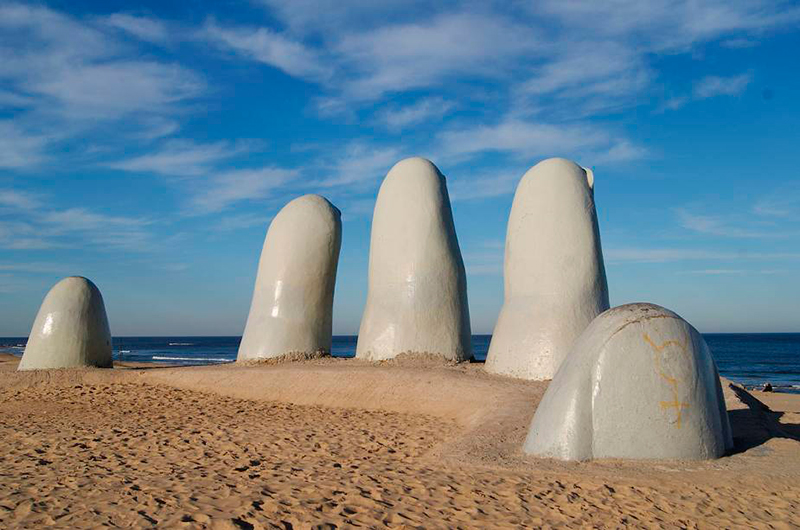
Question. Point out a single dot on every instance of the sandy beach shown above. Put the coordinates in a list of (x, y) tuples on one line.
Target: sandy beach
[(334, 443)]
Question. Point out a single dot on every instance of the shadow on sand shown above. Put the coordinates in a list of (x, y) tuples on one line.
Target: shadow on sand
[(757, 424)]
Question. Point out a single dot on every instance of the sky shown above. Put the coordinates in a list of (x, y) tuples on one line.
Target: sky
[(147, 145)]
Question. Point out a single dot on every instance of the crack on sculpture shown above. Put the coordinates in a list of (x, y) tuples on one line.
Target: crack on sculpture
[(673, 382)]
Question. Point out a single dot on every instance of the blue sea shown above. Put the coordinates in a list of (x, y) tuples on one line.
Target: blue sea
[(747, 358)]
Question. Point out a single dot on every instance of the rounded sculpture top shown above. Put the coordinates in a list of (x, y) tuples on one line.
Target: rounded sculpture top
[(308, 225), (640, 382), (564, 239), (412, 213), (70, 330), (415, 168), (311, 208)]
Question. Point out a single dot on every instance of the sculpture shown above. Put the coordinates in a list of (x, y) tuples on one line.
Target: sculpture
[(417, 300), (555, 281), (71, 329), (640, 382), (292, 306)]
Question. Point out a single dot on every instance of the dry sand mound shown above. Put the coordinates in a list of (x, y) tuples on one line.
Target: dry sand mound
[(335, 443)]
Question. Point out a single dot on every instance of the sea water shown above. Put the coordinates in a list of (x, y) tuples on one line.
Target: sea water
[(751, 359)]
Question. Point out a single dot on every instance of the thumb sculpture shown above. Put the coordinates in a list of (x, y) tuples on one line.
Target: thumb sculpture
[(555, 280), (640, 383), (291, 311), (417, 300), (71, 329)]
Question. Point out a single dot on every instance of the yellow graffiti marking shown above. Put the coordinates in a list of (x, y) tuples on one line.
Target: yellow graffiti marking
[(673, 382)]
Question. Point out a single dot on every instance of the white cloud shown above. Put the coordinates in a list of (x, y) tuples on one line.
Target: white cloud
[(32, 267), (43, 228), (240, 222), (667, 25), (157, 127), (81, 219), (428, 53), (593, 77), (182, 158), (713, 86), (620, 151), (483, 186), (18, 148), (423, 110), (321, 17), (716, 225), (239, 185), (71, 77), (82, 72), (485, 260), (784, 204), (20, 235), (11, 199), (269, 47), (112, 90), (530, 139), (715, 272), (360, 163), (661, 255), (14, 100), (143, 28), (521, 137)]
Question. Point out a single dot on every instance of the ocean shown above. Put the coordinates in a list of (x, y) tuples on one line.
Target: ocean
[(747, 358)]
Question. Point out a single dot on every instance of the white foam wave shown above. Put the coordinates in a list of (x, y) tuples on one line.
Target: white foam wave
[(181, 344)]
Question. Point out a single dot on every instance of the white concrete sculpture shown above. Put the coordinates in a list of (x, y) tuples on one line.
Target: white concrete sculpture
[(292, 307), (417, 300), (640, 382), (71, 329), (555, 281)]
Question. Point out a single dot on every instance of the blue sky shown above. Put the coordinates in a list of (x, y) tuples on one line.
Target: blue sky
[(148, 147)]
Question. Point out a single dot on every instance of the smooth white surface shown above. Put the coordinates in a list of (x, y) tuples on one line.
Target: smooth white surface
[(292, 305), (71, 329), (417, 301), (555, 280), (639, 383)]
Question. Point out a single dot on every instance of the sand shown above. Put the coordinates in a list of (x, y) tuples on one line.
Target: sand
[(330, 443)]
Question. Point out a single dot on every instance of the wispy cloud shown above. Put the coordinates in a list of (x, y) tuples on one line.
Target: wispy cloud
[(231, 223), (530, 139), (712, 86), (666, 25), (360, 163), (269, 47), (717, 225), (466, 188), (143, 28), (11, 199), (182, 158), (44, 228), (237, 186), (70, 76), (102, 230), (486, 259), (399, 57), (732, 272), (426, 109), (31, 267), (18, 148), (781, 205), (661, 255)]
